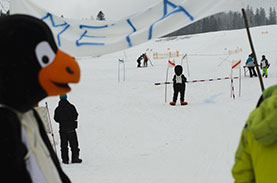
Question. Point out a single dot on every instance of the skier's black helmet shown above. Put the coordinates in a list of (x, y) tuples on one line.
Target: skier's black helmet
[(178, 70)]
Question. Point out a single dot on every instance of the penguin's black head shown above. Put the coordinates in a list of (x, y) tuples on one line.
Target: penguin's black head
[(31, 65), (178, 70)]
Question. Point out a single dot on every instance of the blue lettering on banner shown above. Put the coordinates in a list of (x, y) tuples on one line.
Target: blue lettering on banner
[(85, 34), (176, 9), (134, 30), (79, 43), (65, 25), (166, 13)]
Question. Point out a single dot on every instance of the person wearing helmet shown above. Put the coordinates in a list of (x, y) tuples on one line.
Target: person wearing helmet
[(251, 66), (264, 66)]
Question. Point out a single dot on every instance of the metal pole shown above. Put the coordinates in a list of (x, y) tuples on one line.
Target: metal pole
[(239, 81), (188, 65), (252, 48), (165, 87), (124, 71), (118, 71)]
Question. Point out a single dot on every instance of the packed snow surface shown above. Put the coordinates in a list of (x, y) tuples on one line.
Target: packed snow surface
[(128, 134)]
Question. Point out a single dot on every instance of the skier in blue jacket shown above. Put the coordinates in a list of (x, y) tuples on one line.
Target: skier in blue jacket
[(251, 66)]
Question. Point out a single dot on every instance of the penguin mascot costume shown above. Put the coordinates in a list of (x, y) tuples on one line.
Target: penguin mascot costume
[(179, 85), (31, 68)]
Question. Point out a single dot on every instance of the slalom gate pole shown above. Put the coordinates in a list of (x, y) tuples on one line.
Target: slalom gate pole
[(150, 62), (51, 128), (232, 85), (165, 88), (232, 89), (118, 72), (198, 81), (239, 81), (252, 48), (124, 71), (126, 58), (188, 65)]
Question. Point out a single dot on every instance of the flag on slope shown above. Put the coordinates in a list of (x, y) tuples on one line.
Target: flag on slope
[(171, 63), (83, 38), (121, 61)]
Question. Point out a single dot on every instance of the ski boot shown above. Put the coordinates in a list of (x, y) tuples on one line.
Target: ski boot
[(184, 103), (78, 160), (75, 156), (172, 103), (65, 162)]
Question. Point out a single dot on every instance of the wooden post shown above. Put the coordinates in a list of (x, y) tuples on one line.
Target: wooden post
[(252, 48)]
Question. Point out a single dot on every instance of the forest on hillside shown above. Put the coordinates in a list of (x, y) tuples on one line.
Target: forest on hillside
[(229, 21)]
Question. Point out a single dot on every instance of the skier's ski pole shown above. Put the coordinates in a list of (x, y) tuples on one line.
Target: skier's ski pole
[(150, 61), (52, 133)]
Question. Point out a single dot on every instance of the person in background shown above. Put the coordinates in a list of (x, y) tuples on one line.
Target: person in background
[(251, 66), (145, 60), (256, 155), (66, 115), (264, 66), (139, 60)]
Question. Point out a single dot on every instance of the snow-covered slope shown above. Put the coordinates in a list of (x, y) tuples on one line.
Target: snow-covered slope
[(127, 132)]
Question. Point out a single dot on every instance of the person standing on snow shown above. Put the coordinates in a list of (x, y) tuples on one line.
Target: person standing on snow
[(139, 60), (264, 66), (66, 115), (256, 156), (179, 85), (251, 66), (145, 60)]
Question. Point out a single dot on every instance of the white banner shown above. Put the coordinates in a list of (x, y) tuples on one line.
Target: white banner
[(95, 38)]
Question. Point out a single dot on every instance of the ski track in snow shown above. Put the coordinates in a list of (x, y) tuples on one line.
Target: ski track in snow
[(127, 133)]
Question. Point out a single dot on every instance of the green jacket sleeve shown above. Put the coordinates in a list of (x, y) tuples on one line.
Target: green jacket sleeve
[(243, 170), (261, 128)]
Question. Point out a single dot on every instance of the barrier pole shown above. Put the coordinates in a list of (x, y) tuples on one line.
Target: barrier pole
[(52, 133), (252, 48), (165, 88), (239, 81), (118, 71)]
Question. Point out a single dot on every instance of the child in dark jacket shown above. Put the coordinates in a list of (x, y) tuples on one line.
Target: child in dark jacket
[(179, 85), (264, 66)]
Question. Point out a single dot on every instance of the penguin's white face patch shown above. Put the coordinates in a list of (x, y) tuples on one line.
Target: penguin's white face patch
[(45, 54)]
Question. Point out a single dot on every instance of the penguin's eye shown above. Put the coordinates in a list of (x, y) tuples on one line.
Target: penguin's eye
[(45, 54)]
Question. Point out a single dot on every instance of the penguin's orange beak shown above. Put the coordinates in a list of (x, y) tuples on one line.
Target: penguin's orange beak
[(55, 77)]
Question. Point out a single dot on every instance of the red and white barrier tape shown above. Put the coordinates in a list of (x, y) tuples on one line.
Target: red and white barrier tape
[(201, 80), (212, 79)]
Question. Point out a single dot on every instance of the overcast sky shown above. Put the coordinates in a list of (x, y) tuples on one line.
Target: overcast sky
[(113, 9)]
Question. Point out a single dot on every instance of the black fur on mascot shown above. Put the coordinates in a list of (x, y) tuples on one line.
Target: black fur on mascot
[(31, 68)]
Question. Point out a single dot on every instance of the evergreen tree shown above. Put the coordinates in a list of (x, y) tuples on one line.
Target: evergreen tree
[(101, 16), (263, 18), (257, 17), (229, 21), (250, 16), (272, 16)]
